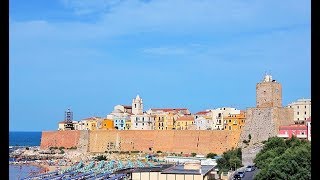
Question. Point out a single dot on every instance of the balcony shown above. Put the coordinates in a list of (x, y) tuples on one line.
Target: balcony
[(283, 135), (302, 136)]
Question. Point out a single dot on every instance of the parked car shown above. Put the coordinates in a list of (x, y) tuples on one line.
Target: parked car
[(250, 168), (241, 173), (236, 176)]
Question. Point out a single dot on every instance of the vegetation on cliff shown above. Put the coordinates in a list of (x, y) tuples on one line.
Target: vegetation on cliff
[(284, 159), (230, 159)]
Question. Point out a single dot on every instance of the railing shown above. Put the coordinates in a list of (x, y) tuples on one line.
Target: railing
[(301, 136), (283, 135)]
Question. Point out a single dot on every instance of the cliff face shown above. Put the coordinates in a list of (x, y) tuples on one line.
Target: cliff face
[(186, 141), (261, 124)]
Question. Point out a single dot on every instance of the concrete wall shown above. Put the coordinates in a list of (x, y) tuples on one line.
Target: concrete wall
[(186, 141)]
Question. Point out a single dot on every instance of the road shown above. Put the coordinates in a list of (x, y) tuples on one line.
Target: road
[(250, 175)]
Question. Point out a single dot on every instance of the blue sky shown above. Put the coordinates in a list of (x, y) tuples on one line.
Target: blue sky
[(91, 55)]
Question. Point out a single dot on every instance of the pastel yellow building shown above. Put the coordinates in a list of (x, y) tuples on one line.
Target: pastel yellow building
[(90, 123), (161, 122), (234, 121), (184, 122), (127, 125), (171, 117), (107, 124)]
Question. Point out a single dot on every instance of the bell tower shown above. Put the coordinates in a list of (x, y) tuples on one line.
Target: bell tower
[(137, 105)]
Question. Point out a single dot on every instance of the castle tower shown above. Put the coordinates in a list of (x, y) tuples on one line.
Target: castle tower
[(268, 93), (137, 105), (264, 120)]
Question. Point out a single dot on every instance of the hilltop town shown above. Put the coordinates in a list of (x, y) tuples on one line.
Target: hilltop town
[(129, 134), (294, 116)]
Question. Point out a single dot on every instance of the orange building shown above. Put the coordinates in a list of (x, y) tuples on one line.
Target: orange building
[(234, 121), (107, 124)]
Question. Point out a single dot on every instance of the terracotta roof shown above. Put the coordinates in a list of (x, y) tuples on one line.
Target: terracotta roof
[(168, 109), (91, 118), (202, 112), (293, 127), (127, 106), (186, 118)]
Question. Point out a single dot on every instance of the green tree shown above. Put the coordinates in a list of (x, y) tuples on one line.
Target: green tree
[(290, 162), (211, 155), (193, 154)]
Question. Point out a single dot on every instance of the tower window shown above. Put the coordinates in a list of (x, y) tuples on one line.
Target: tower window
[(298, 113), (305, 112), (135, 105)]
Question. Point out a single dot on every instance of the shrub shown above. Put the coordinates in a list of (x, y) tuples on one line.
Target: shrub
[(135, 151), (211, 155), (159, 151), (193, 154)]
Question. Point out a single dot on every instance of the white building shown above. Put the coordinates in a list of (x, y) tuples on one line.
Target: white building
[(301, 109), (203, 123), (219, 114), (309, 129), (142, 122)]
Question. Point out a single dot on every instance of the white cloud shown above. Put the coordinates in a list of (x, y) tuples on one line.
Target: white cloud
[(179, 17)]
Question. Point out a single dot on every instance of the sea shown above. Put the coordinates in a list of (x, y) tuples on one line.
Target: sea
[(22, 139)]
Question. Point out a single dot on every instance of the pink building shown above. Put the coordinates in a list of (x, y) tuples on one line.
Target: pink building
[(298, 130)]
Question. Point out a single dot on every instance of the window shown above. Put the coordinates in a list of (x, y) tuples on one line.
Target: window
[(136, 124), (305, 112), (135, 105), (142, 118), (298, 113), (229, 120), (298, 107), (229, 127), (240, 127), (305, 106), (142, 124), (159, 118), (136, 118)]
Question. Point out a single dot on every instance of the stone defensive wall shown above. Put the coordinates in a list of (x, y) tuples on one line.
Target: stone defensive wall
[(186, 141), (65, 139), (263, 123)]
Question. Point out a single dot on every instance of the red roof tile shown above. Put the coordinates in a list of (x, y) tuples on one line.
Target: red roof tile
[(293, 127), (186, 118), (202, 112), (168, 109)]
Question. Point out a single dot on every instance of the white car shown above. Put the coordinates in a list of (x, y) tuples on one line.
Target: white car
[(250, 168)]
